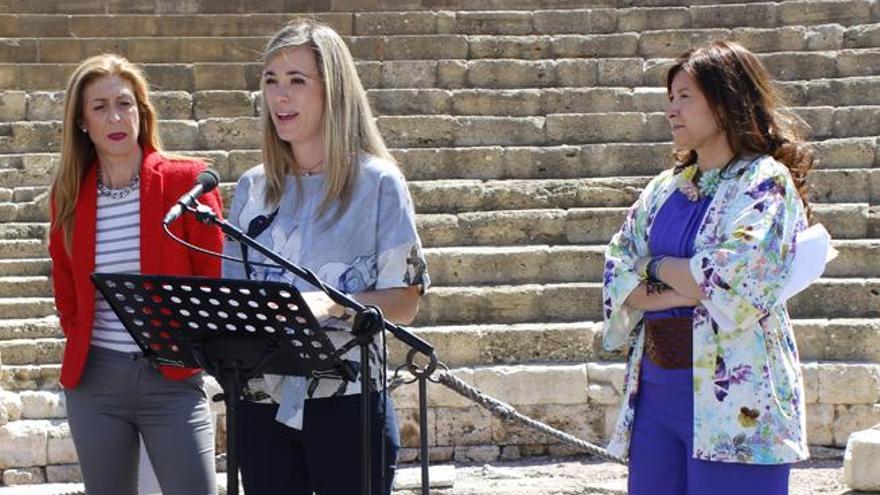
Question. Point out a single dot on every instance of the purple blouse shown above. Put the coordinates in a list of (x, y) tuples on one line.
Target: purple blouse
[(673, 233)]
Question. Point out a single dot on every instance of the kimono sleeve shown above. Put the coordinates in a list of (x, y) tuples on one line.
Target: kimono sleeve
[(400, 260), (619, 277), (744, 272)]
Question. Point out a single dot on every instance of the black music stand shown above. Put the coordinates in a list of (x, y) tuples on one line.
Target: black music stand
[(233, 329)]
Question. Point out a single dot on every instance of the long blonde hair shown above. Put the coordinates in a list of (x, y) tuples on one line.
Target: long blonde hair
[(348, 124), (77, 149)]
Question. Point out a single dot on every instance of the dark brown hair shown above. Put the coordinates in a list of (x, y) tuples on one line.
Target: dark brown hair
[(748, 110)]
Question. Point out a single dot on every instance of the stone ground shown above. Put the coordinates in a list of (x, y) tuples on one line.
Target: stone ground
[(583, 475), (558, 476)]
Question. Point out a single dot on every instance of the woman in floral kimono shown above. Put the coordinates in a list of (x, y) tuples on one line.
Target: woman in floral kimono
[(692, 281)]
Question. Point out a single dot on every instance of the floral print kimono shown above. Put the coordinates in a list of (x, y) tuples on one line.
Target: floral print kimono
[(748, 389)]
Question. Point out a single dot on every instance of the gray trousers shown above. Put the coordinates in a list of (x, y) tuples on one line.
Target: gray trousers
[(121, 397)]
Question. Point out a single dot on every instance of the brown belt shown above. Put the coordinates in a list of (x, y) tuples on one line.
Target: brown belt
[(669, 342)]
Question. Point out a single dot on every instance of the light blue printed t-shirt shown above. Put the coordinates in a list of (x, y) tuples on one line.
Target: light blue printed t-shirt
[(373, 245)]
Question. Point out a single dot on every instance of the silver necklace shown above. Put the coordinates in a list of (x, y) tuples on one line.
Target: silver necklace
[(106, 192)]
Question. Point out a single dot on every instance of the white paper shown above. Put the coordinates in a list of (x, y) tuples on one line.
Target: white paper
[(813, 251)]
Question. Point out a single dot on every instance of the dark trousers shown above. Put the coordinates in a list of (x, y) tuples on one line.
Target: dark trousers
[(324, 457)]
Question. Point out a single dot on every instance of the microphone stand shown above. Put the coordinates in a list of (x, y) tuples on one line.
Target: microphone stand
[(369, 320)]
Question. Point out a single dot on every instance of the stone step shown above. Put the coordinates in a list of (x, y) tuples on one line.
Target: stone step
[(25, 286), (15, 378), (452, 196), (483, 162), (460, 73), (528, 102), (20, 195), (180, 105), (174, 104), (577, 225), (530, 22), (590, 225), (588, 128), (647, 44), (25, 230), (487, 162), (795, 12), (33, 211), (26, 307), (25, 267), (456, 196), (236, 7), (450, 305), (827, 298), (480, 265), (432, 131), (22, 248), (32, 351), (558, 162), (592, 160), (30, 328), (119, 24), (664, 43), (40, 342), (838, 339), (485, 265)]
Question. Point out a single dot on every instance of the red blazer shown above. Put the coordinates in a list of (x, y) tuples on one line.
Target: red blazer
[(162, 182)]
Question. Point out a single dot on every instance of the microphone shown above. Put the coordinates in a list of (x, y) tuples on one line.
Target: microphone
[(205, 182)]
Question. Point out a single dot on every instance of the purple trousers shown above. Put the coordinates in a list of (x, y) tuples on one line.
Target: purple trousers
[(662, 447)]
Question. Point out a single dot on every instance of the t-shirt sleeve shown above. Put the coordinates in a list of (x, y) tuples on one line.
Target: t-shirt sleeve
[(234, 269), (401, 262)]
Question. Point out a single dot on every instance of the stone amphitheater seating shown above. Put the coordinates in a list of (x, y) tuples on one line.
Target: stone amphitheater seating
[(524, 133)]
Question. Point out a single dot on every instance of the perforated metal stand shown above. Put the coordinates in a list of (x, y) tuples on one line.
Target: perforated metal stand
[(234, 329)]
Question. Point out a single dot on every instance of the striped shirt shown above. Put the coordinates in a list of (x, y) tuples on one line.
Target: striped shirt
[(117, 250)]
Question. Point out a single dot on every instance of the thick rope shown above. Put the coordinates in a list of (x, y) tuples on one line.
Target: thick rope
[(509, 413)]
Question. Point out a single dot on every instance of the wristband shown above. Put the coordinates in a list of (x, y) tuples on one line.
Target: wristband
[(653, 270)]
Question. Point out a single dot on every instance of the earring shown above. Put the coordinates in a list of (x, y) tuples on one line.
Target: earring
[(84, 129)]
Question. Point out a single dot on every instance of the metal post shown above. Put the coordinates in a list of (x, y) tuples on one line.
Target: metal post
[(423, 432)]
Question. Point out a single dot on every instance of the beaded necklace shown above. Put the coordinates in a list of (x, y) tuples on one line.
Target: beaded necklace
[(106, 192)]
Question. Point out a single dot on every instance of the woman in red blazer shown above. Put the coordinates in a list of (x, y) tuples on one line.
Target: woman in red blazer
[(109, 195)]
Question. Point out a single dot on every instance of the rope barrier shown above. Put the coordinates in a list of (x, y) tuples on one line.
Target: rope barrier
[(507, 412)]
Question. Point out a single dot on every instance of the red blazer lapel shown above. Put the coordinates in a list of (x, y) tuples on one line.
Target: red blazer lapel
[(83, 260), (152, 212)]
